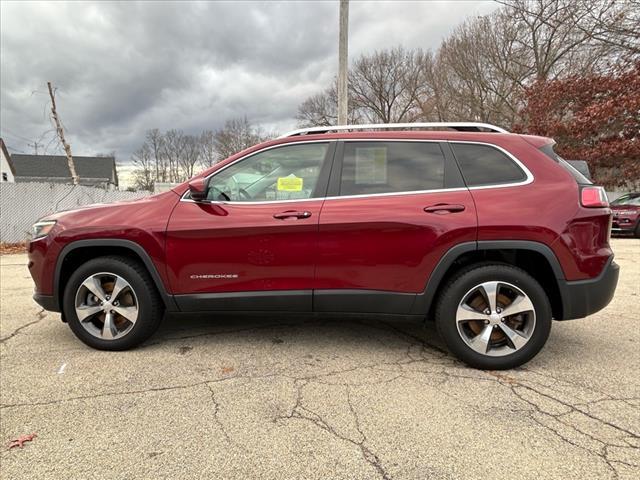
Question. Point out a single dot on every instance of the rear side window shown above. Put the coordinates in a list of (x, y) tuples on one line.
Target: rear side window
[(485, 165), (388, 167)]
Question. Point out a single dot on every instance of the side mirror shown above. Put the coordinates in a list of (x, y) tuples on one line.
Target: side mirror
[(198, 189)]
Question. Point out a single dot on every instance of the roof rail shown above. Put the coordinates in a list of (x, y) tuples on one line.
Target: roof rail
[(460, 126)]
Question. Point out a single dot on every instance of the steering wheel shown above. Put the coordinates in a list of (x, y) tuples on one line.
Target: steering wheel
[(217, 193), (244, 194)]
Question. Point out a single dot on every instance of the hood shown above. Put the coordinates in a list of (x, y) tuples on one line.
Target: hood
[(111, 205)]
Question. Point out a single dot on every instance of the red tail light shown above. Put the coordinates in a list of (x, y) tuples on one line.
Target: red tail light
[(593, 197)]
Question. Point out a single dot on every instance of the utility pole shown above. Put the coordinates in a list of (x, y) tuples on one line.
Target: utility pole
[(343, 63), (35, 146), (59, 130)]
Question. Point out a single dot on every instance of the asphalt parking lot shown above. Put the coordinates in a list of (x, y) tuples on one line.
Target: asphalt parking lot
[(305, 398)]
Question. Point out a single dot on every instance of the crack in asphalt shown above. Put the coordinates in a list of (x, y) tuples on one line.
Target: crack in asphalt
[(216, 411), (418, 351), (538, 413), (300, 412), (41, 316)]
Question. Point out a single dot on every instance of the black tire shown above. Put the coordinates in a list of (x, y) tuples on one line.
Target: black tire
[(637, 232), (150, 306), (465, 280)]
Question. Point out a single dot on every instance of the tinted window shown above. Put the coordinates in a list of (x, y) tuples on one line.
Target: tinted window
[(486, 165), (284, 173), (628, 199), (387, 167), (578, 175)]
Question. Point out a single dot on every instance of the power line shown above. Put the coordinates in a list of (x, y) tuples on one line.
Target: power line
[(16, 135), (15, 149)]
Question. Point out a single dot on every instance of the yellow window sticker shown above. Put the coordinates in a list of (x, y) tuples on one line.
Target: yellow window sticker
[(290, 184)]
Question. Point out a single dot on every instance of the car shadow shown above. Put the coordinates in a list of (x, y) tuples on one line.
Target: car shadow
[(307, 329)]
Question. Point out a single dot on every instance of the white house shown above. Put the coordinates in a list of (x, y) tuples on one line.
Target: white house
[(6, 167)]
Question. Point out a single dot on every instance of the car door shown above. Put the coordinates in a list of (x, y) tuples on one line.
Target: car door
[(252, 244), (393, 209)]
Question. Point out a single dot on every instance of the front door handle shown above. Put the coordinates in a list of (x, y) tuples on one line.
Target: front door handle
[(291, 214), (442, 208)]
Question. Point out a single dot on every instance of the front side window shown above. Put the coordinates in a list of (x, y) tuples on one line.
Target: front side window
[(483, 165), (387, 167), (284, 173)]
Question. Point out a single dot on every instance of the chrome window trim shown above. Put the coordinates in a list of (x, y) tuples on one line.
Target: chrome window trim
[(527, 172), (280, 145)]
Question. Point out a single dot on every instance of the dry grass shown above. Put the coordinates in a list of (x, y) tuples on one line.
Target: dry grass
[(9, 248)]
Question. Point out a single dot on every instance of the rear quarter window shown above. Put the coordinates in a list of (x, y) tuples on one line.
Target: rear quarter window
[(484, 165), (577, 175)]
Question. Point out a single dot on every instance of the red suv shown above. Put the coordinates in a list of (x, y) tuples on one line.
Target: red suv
[(489, 233), (626, 214)]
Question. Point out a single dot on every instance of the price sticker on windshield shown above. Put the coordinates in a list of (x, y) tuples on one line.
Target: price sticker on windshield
[(290, 184)]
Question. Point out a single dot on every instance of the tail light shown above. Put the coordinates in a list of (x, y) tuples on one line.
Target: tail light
[(593, 197)]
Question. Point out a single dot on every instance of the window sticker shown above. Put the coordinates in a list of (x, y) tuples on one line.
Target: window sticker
[(290, 184), (371, 165)]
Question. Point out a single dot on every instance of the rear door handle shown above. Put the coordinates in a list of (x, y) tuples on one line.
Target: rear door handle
[(291, 214), (442, 208)]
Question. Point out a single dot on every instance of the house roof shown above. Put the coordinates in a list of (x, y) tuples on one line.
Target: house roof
[(56, 166), (7, 156)]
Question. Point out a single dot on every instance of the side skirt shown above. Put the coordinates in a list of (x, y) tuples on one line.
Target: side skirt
[(322, 301)]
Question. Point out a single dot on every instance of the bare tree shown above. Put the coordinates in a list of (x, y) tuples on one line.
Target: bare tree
[(236, 135), (190, 155), (60, 131), (173, 156), (172, 150), (155, 140), (558, 38), (473, 76), (144, 171), (387, 86), (322, 109), (208, 153)]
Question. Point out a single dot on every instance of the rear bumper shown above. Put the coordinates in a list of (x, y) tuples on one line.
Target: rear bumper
[(585, 297), (48, 302)]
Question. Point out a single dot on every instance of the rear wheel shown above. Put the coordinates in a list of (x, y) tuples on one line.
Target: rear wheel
[(494, 316), (111, 303)]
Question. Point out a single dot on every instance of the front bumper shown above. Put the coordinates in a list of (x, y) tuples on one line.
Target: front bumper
[(620, 226), (586, 297)]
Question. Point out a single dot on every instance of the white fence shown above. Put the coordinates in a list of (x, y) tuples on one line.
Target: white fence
[(21, 204)]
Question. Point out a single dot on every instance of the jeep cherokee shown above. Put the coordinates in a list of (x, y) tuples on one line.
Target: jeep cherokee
[(487, 232)]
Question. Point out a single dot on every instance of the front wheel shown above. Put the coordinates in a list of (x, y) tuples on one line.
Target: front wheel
[(111, 303), (494, 316)]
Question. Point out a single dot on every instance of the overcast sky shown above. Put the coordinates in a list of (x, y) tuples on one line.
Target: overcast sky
[(124, 68)]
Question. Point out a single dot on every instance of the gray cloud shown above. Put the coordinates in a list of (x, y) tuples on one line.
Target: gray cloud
[(123, 68)]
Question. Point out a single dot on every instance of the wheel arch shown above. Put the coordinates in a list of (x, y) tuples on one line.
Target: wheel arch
[(78, 252), (535, 258)]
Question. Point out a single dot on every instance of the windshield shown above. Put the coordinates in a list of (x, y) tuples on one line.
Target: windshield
[(628, 199)]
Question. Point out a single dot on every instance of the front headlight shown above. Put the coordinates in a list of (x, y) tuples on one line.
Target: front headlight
[(42, 229)]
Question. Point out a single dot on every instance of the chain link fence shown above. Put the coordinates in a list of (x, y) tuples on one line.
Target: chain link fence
[(21, 204)]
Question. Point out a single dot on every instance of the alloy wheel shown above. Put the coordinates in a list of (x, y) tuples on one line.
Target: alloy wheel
[(106, 306), (495, 318)]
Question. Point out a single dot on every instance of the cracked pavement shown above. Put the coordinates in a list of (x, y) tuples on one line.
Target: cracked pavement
[(230, 396)]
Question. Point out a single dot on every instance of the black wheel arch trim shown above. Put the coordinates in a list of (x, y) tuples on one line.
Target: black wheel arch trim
[(578, 298), (425, 299), (167, 298)]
